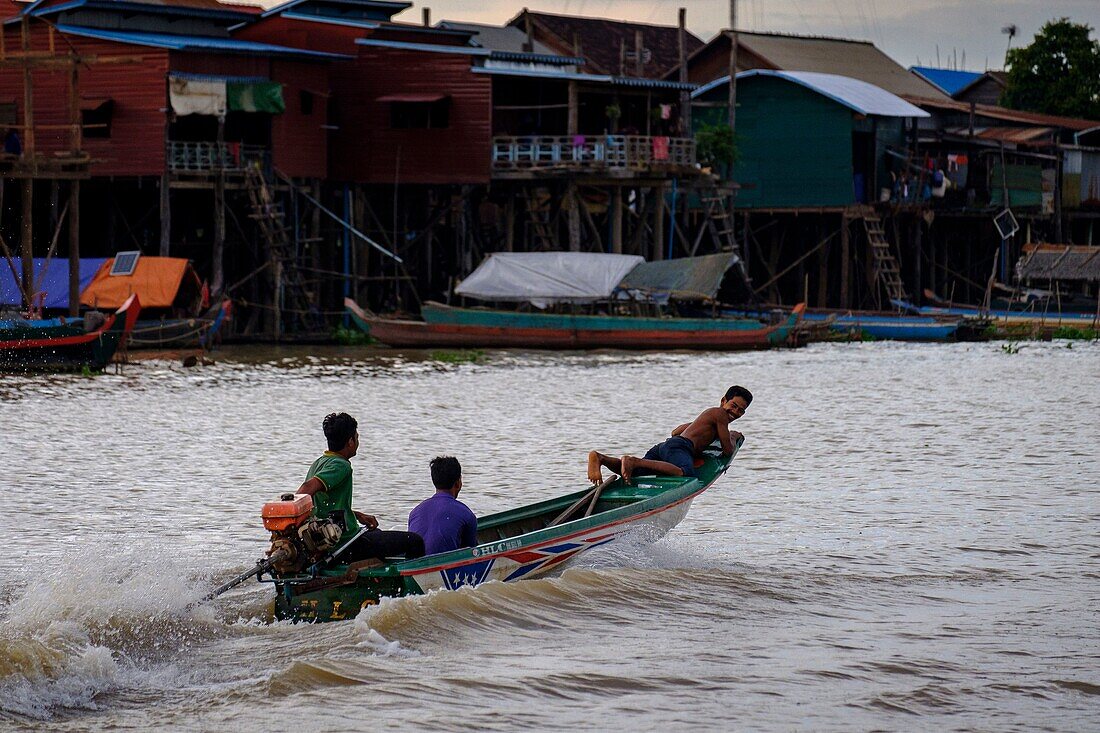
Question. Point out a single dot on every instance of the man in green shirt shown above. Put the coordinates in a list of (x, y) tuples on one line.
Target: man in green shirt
[(329, 483)]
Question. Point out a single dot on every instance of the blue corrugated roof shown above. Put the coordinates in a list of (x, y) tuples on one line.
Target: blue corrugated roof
[(427, 47), (618, 81), (197, 43), (122, 6), (949, 80), (388, 8)]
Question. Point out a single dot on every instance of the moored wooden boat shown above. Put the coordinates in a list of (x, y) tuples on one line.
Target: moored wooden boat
[(449, 327), (67, 347), (513, 545), (886, 326), (1008, 322)]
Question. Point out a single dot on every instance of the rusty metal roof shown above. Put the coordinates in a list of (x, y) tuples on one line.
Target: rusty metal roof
[(1059, 262), (1018, 135), (600, 41), (1003, 113)]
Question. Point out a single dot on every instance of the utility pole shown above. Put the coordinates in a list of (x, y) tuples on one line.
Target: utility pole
[(733, 64), (685, 96)]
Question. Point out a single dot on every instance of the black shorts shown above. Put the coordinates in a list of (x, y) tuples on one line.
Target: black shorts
[(381, 544), (678, 451)]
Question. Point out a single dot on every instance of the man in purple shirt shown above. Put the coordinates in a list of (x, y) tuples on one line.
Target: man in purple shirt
[(443, 521)]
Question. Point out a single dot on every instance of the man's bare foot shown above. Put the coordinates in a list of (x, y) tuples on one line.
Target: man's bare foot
[(628, 464), (595, 475)]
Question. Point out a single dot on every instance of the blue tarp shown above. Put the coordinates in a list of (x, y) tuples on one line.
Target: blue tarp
[(55, 283)]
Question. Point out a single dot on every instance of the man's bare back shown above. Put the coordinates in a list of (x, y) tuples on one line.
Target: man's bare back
[(712, 423)]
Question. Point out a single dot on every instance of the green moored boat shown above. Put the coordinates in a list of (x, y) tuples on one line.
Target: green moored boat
[(521, 543)]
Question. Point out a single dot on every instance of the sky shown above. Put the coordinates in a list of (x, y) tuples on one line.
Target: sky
[(907, 30)]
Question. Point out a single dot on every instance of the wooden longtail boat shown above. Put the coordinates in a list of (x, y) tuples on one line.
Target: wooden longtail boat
[(513, 545), (447, 327), (887, 326), (67, 347), (1007, 321)]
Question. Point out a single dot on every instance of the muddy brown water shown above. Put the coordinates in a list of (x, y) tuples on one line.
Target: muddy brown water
[(908, 540)]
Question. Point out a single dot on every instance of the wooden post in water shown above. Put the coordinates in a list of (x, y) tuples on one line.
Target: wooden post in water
[(74, 248), (822, 269), (845, 259), (165, 182), (27, 239), (217, 255), (76, 143)]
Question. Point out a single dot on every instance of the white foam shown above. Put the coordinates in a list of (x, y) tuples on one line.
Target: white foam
[(372, 641), (67, 671)]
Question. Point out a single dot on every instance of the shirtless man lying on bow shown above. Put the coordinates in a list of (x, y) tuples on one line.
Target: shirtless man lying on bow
[(676, 456)]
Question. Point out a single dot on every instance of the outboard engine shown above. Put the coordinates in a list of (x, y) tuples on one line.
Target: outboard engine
[(298, 538)]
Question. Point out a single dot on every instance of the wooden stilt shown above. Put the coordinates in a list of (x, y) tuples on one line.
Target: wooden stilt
[(510, 223), (573, 217), (74, 248), (165, 215), (27, 239), (822, 267), (845, 260), (658, 250), (616, 211), (918, 276), (217, 254)]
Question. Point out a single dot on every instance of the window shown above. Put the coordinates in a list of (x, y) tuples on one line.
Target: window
[(9, 113), (305, 102), (433, 114), (95, 117)]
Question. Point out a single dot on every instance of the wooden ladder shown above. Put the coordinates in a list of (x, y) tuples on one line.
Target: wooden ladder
[(719, 222), (539, 220), (886, 266), (271, 219)]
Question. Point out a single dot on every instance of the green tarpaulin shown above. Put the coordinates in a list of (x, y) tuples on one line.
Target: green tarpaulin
[(264, 96)]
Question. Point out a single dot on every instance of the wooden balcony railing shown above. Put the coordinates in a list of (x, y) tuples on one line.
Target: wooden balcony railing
[(211, 157), (612, 153)]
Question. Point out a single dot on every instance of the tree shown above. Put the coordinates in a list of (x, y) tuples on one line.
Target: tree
[(1059, 73), (715, 145)]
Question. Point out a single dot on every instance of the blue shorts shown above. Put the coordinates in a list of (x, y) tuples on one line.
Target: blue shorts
[(680, 452)]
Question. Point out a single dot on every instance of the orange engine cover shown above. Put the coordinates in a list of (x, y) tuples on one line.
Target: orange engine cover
[(288, 512)]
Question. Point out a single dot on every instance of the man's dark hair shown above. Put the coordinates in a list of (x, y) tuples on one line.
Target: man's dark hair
[(445, 472), (736, 391), (340, 427)]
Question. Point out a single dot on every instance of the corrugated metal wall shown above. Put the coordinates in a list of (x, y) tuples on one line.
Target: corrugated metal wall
[(795, 145), (366, 149), (299, 140), (298, 136), (136, 145)]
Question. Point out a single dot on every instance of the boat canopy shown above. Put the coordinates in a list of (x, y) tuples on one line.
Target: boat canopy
[(689, 278), (1059, 262), (544, 278), (158, 281), (51, 277)]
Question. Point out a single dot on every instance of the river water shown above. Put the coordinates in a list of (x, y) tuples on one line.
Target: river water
[(909, 539)]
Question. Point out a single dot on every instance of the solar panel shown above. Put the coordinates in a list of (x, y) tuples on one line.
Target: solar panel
[(125, 263)]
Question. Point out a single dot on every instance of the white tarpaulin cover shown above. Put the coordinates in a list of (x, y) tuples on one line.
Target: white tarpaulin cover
[(548, 277), (192, 97)]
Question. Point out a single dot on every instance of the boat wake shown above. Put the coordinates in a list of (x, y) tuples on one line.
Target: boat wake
[(80, 629)]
